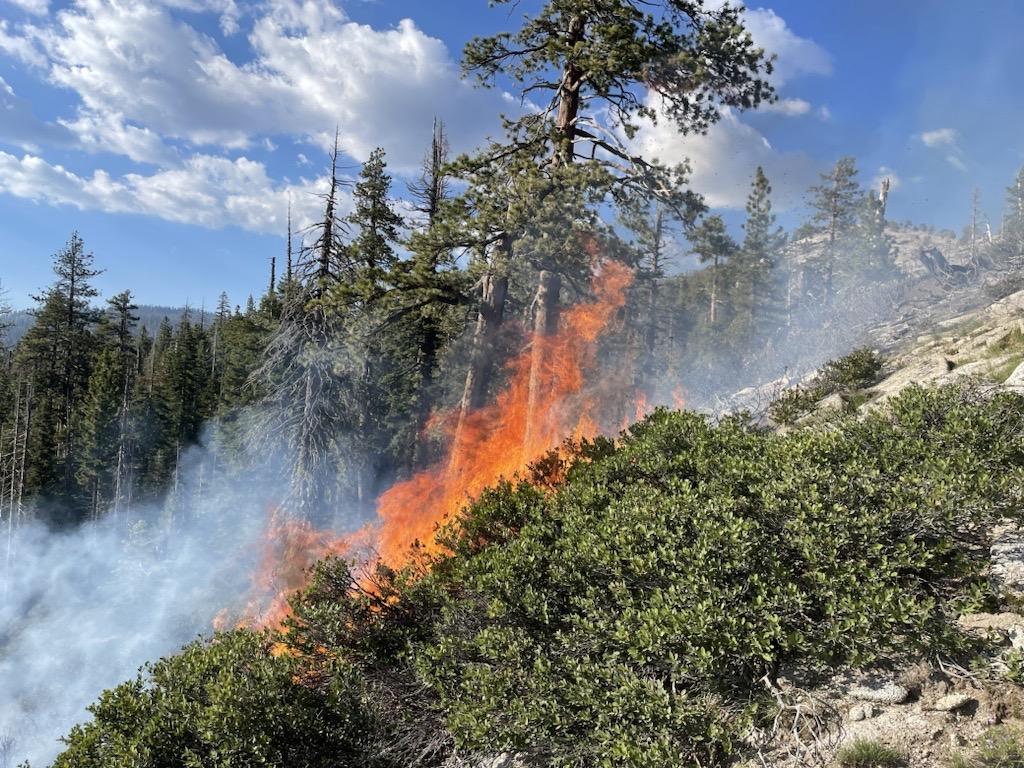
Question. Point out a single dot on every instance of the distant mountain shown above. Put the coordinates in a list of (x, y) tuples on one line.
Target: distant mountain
[(150, 316)]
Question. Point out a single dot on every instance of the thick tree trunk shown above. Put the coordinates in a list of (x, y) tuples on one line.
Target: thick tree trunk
[(545, 324), (493, 292)]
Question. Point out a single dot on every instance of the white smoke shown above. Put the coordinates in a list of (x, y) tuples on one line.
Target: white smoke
[(83, 610)]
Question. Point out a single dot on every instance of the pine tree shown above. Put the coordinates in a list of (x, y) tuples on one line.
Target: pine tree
[(303, 373), (376, 223), (648, 223), (835, 205), (557, 166), (1013, 226), (757, 274), (57, 351), (874, 247), (713, 245), (106, 413)]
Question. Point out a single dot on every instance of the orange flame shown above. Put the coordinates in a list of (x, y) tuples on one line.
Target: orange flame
[(502, 438), (496, 441)]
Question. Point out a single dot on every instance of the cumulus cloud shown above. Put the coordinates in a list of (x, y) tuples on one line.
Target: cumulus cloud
[(795, 55), (313, 70), (724, 160), (153, 88), (109, 132), (207, 191), (19, 45)]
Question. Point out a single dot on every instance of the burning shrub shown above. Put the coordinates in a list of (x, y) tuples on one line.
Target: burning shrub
[(625, 616)]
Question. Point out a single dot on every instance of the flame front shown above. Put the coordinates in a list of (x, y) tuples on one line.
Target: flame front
[(571, 399), (502, 438)]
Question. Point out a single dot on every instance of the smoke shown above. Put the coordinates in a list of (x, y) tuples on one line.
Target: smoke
[(82, 610)]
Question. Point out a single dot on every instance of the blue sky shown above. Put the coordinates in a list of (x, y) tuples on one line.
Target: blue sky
[(172, 134)]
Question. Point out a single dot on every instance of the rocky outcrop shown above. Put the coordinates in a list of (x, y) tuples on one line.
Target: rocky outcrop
[(1008, 563)]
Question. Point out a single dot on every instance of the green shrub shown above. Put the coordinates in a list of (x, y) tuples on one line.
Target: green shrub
[(866, 753), (847, 376), (632, 615), (1001, 747), (229, 703), (620, 612), (857, 370), (792, 404)]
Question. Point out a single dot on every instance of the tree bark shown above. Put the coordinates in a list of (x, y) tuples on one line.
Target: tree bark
[(493, 292), (545, 324)]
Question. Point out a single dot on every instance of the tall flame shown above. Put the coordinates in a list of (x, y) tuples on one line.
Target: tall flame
[(571, 400), (502, 438)]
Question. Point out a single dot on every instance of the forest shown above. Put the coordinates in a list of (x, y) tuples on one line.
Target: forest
[(562, 599), (405, 322)]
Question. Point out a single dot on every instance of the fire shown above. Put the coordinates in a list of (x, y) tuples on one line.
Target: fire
[(503, 438), (289, 547)]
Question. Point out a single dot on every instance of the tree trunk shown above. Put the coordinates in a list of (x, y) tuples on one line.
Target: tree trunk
[(493, 292), (545, 324)]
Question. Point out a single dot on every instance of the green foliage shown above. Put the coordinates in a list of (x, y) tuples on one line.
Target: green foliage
[(792, 404), (866, 753), (1001, 747), (857, 370), (621, 608), (229, 703), (847, 376)]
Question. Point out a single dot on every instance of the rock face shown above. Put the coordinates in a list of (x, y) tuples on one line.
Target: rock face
[(881, 692), (1008, 562), (951, 702), (1016, 379)]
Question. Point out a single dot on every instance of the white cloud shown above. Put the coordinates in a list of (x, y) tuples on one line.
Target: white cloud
[(227, 10), (110, 133), (789, 107), (955, 160), (19, 46), (313, 70), (724, 160), (940, 137), (207, 191), (796, 55), (945, 139)]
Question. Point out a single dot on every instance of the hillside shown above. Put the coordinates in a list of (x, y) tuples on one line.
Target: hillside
[(839, 592)]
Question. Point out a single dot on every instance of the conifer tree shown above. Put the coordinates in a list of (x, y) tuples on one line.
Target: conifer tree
[(713, 245), (874, 246), (542, 184), (757, 271), (1013, 226), (835, 205), (57, 351), (376, 224)]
